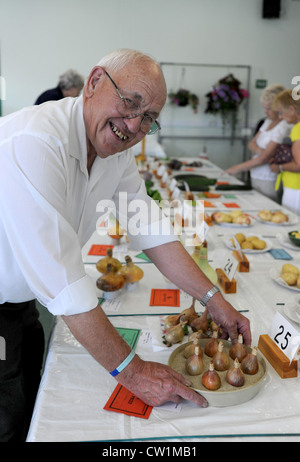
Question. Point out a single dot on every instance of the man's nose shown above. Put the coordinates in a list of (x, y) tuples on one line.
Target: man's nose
[(134, 124)]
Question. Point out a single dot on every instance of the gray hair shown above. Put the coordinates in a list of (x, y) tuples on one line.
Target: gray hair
[(118, 59), (269, 94), (70, 79)]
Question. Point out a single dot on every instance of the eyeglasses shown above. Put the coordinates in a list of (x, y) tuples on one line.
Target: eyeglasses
[(129, 109)]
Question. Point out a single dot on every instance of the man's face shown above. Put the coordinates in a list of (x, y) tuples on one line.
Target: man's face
[(107, 131)]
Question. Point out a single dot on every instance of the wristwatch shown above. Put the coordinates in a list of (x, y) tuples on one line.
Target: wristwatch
[(209, 295)]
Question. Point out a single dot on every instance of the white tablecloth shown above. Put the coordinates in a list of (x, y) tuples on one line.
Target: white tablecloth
[(74, 388)]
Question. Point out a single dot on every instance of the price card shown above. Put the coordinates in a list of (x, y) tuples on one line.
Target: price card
[(285, 336), (230, 267)]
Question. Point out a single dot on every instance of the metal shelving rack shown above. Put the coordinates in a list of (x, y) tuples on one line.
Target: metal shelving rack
[(243, 139)]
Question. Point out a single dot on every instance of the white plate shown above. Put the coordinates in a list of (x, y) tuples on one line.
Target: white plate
[(230, 246), (292, 310), (291, 221), (275, 275), (285, 241)]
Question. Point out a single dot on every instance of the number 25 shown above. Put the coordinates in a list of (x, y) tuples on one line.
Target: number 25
[(281, 331)]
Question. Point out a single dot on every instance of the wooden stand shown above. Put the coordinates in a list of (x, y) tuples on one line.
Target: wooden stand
[(277, 358), (229, 287), (244, 265)]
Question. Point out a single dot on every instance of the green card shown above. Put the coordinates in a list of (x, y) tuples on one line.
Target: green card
[(131, 336)]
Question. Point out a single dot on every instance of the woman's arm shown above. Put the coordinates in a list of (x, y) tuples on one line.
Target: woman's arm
[(263, 158)]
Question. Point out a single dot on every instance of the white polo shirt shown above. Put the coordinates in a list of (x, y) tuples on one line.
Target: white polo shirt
[(48, 205)]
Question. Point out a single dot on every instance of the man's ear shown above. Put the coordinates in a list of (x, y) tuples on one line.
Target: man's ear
[(94, 78)]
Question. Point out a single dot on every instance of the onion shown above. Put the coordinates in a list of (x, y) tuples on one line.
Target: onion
[(201, 322), (175, 334), (194, 364), (238, 350), (235, 376), (221, 360), (211, 379), (211, 347), (250, 363), (190, 349)]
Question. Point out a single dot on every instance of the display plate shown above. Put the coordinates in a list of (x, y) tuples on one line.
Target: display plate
[(275, 275), (230, 246), (291, 221)]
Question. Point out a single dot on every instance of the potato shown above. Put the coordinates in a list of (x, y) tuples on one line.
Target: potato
[(290, 278), (265, 215), (246, 245), (258, 244), (288, 268), (251, 238), (240, 237), (235, 213)]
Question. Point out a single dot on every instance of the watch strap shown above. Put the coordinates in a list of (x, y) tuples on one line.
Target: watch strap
[(209, 295)]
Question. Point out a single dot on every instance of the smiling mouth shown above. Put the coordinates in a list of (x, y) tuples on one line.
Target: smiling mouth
[(118, 132)]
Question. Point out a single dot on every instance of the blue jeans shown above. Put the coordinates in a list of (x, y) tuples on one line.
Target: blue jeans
[(20, 367)]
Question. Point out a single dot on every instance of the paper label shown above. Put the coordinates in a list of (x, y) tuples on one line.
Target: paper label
[(99, 250), (125, 402), (285, 336), (165, 297)]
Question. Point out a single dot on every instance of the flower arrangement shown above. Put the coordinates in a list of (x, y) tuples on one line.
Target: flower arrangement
[(184, 97), (225, 99)]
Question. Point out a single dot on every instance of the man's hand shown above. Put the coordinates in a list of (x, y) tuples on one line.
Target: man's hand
[(155, 383), (233, 323)]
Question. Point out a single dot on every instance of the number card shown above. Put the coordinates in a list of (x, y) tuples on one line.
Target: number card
[(285, 336), (230, 267)]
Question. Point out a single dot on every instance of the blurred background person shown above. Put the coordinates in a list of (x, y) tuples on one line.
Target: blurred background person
[(70, 84), (263, 146), (288, 105)]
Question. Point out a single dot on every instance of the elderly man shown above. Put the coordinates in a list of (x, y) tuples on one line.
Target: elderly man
[(58, 161)]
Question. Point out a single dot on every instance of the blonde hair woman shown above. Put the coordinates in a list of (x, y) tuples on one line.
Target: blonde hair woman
[(263, 146), (288, 105)]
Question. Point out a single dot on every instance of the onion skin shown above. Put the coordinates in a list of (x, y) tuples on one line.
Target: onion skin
[(238, 350), (211, 379), (175, 334), (194, 364), (211, 347), (201, 322), (190, 349), (250, 364), (221, 360), (235, 376)]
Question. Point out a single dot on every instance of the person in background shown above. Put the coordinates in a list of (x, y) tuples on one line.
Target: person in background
[(263, 146), (288, 105), (70, 84), (59, 161)]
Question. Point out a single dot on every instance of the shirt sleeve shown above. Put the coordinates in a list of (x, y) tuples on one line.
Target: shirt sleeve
[(34, 212), (295, 132)]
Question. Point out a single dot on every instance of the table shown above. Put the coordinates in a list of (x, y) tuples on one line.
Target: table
[(74, 388)]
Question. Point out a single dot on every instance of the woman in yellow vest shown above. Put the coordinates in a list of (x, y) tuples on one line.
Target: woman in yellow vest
[(288, 105)]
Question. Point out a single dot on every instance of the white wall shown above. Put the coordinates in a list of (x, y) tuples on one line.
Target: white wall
[(41, 39)]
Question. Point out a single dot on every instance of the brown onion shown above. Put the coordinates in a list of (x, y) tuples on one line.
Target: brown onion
[(238, 350), (250, 364), (235, 376), (189, 314), (190, 349), (211, 347), (175, 334), (221, 359), (101, 265), (201, 322), (211, 379), (194, 364)]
